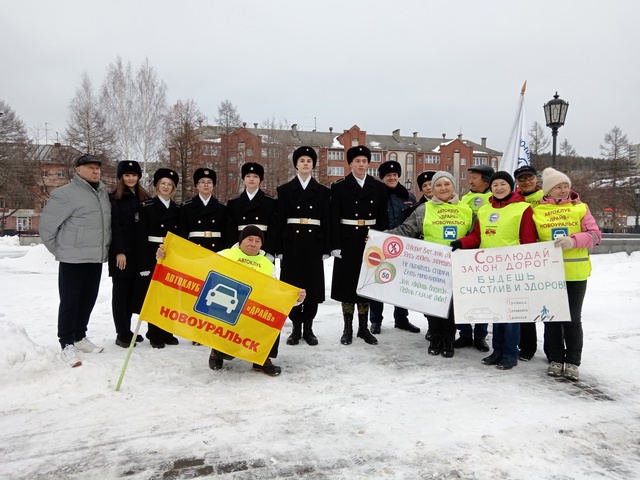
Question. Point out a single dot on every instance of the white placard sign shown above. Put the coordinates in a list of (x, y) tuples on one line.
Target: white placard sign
[(523, 283), (406, 272)]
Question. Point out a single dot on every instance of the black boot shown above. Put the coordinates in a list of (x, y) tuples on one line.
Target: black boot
[(376, 328), (296, 333), (363, 330), (405, 324), (481, 344), (308, 335), (215, 362), (435, 347), (347, 334), (447, 346)]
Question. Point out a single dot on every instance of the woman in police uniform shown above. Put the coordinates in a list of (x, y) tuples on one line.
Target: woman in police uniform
[(157, 217), (303, 234)]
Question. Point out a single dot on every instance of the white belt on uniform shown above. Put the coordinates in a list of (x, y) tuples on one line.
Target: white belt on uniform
[(155, 239), (304, 221), (261, 227), (204, 234), (358, 223)]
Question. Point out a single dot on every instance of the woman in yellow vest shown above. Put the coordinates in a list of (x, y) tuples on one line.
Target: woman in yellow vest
[(563, 218), (439, 221), (506, 220)]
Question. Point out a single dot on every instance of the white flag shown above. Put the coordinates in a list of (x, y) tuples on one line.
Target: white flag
[(517, 152)]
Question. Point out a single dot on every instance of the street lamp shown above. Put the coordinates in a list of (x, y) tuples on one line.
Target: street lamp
[(636, 190), (555, 111), (407, 185)]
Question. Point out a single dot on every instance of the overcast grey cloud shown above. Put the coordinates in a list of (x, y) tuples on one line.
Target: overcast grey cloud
[(418, 65)]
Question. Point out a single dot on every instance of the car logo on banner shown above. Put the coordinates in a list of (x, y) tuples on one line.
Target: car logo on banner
[(222, 298)]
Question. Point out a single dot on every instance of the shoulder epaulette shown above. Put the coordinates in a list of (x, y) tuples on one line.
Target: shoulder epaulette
[(146, 203), (338, 181), (187, 202)]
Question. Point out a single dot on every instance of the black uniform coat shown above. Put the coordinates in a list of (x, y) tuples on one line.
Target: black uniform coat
[(350, 201), (302, 245), (154, 220), (261, 211), (196, 217), (124, 213)]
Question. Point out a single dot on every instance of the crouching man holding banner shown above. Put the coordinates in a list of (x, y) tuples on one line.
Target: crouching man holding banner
[(230, 313)]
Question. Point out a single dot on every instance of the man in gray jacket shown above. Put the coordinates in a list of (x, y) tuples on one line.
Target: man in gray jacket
[(75, 226)]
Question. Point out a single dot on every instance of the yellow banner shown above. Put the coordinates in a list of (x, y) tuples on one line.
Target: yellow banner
[(204, 297)]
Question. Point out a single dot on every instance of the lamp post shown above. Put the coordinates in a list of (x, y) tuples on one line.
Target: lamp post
[(555, 112), (636, 191)]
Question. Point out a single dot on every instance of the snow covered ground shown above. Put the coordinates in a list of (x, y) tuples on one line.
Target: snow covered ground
[(388, 411)]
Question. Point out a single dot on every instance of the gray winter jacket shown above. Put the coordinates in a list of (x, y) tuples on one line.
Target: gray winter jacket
[(75, 225)]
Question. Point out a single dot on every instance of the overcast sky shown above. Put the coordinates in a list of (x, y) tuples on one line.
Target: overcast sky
[(417, 65)]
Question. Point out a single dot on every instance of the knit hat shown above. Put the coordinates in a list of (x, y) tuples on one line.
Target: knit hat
[(165, 173), (128, 166), (552, 178), (308, 151), (204, 173), (424, 177), (524, 170), (502, 175), (390, 166), (485, 170), (442, 174), (354, 152), (250, 230), (252, 167)]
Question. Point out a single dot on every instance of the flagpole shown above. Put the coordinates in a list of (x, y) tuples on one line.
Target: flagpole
[(129, 350)]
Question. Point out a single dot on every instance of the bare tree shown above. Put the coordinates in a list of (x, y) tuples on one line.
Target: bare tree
[(151, 107), (538, 142), (17, 171), (616, 170), (87, 129), (117, 103), (278, 166), (181, 135), (228, 117)]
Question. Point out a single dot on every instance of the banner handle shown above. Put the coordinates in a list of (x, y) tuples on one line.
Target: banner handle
[(129, 350)]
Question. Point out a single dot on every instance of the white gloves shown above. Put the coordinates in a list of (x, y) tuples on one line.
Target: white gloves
[(336, 253), (269, 257), (145, 273), (279, 256), (325, 256), (564, 242)]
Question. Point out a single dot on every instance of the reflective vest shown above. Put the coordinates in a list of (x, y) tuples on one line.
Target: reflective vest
[(553, 221), (257, 262), (534, 198), (444, 223), (500, 227), (476, 200)]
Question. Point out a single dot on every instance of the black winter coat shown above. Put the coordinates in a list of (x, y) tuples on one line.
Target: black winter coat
[(259, 211), (399, 200), (155, 220), (350, 201), (124, 213), (302, 245), (195, 216)]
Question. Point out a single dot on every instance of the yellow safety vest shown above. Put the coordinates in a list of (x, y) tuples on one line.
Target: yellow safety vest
[(257, 262), (475, 200), (444, 222), (553, 221), (534, 198), (500, 227)]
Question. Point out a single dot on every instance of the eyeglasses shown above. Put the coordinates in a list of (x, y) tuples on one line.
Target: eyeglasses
[(526, 178), (205, 183)]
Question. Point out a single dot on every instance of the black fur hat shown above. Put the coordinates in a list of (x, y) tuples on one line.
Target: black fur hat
[(252, 167), (166, 173), (204, 173), (128, 166), (308, 151)]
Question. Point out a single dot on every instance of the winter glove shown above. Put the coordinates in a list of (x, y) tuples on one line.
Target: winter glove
[(564, 242), (325, 256), (455, 245), (336, 253), (279, 256), (270, 257), (145, 273)]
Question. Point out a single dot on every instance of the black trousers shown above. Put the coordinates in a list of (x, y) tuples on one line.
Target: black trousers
[(528, 339), (376, 308), (306, 311), (78, 285), (122, 302), (445, 327), (563, 340)]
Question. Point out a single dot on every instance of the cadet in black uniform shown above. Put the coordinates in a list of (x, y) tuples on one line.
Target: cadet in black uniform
[(203, 219), (157, 217), (358, 203), (303, 232), (253, 207)]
